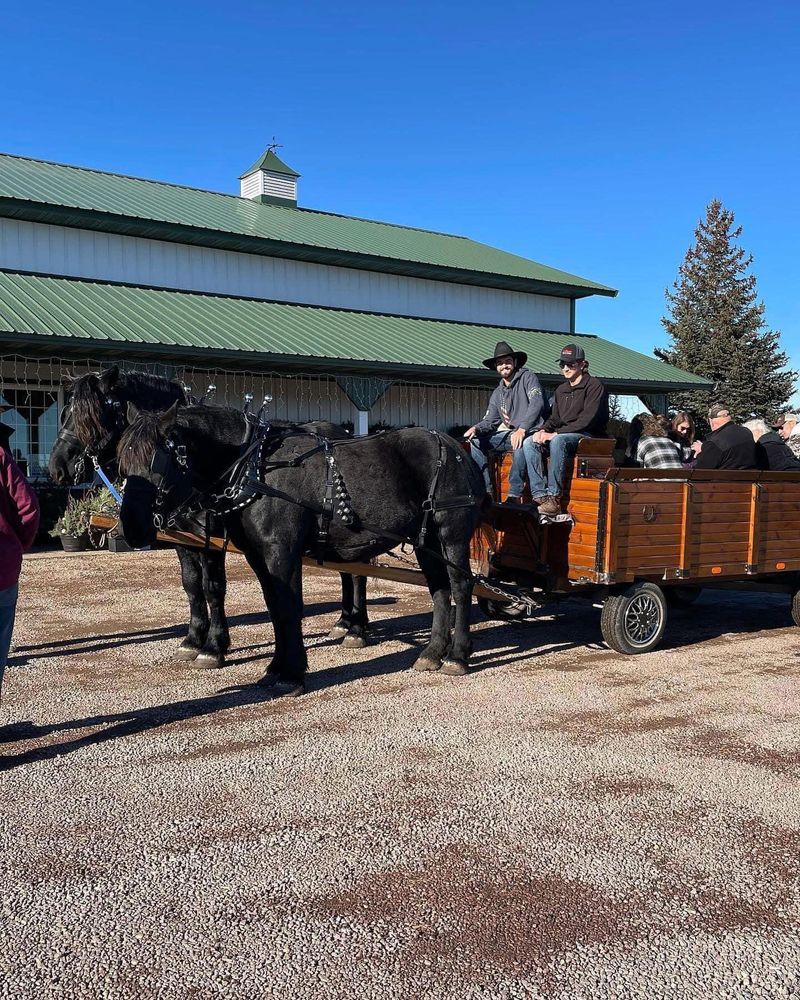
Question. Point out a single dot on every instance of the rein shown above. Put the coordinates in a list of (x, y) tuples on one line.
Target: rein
[(170, 463)]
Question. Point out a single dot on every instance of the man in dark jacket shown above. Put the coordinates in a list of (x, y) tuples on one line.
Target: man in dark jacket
[(728, 446), (516, 407), (772, 452), (580, 409)]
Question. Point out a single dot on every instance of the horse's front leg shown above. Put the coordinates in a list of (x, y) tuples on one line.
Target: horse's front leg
[(218, 640), (457, 554), (280, 575), (192, 580), (345, 621), (439, 586), (359, 622)]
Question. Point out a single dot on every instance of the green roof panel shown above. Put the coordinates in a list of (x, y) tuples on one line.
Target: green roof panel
[(51, 192), (94, 314)]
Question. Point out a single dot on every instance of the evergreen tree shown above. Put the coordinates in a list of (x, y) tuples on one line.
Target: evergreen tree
[(717, 329)]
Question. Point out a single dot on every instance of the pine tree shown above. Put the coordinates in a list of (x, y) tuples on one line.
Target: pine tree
[(717, 329)]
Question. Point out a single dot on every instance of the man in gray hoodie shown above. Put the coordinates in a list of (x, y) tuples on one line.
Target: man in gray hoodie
[(517, 407)]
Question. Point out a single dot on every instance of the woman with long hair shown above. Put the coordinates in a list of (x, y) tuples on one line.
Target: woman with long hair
[(683, 432)]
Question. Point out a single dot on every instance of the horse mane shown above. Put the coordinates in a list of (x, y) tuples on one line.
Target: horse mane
[(138, 442), (150, 392), (87, 409)]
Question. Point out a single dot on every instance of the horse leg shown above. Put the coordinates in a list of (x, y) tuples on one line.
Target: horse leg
[(359, 622), (439, 586), (218, 640), (457, 659), (192, 580), (345, 622), (281, 580)]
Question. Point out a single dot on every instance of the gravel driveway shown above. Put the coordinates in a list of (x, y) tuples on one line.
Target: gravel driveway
[(565, 822)]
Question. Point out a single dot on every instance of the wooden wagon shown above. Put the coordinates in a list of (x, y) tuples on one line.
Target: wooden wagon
[(636, 540), (641, 539)]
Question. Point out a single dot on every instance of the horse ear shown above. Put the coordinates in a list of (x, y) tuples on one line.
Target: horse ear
[(67, 381), (133, 412), (167, 419), (109, 378)]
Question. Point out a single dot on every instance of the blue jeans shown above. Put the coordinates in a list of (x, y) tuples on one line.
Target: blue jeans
[(562, 449), (501, 441), (8, 606)]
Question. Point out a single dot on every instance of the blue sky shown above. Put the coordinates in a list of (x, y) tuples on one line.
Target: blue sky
[(588, 136)]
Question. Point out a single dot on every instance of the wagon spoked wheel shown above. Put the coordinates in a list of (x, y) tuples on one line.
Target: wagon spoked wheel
[(796, 607), (633, 620)]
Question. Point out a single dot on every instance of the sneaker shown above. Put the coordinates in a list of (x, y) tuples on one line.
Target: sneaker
[(539, 500), (550, 506)]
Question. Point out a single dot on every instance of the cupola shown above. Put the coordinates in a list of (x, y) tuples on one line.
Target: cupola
[(270, 181)]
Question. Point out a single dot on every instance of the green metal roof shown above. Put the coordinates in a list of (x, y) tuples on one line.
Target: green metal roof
[(40, 191), (92, 317), (269, 161)]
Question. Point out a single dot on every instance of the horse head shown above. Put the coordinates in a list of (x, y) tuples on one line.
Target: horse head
[(153, 459), (93, 421), (90, 425)]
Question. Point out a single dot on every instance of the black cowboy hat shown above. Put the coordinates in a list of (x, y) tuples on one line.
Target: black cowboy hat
[(502, 349)]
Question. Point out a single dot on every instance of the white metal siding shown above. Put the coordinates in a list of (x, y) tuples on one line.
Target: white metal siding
[(31, 246)]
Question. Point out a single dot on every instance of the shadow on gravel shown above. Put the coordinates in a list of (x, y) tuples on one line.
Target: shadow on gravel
[(122, 724), (111, 640)]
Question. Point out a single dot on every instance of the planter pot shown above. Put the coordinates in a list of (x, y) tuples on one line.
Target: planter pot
[(71, 543)]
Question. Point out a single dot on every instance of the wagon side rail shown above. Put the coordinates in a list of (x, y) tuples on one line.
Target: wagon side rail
[(694, 525)]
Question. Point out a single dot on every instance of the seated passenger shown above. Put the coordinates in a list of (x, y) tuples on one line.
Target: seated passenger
[(771, 452), (516, 407), (683, 433), (655, 450), (580, 409), (728, 446), (789, 429)]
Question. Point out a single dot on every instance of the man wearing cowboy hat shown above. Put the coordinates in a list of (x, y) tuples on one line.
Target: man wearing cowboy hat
[(580, 409), (516, 408)]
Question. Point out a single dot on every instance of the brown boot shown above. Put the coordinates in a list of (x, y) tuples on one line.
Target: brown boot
[(550, 506)]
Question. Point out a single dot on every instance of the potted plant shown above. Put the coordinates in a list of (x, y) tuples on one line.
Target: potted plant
[(73, 525)]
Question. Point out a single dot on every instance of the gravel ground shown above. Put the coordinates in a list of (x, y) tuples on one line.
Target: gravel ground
[(564, 823)]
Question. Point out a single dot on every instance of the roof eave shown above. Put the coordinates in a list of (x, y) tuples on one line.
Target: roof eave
[(78, 218), (44, 344)]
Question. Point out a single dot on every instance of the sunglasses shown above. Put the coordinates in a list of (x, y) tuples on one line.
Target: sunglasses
[(683, 427), (568, 364)]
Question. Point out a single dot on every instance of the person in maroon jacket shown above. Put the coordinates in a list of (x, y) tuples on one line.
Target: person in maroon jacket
[(19, 521), (580, 409)]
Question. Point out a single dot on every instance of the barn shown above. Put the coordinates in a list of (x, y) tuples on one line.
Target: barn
[(335, 317)]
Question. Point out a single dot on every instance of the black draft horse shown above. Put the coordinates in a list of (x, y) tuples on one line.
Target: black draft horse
[(91, 426), (386, 480)]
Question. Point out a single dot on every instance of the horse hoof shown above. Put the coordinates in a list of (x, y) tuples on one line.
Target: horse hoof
[(215, 660), (282, 688), (454, 668), (424, 663), (354, 642), (337, 632), (186, 652)]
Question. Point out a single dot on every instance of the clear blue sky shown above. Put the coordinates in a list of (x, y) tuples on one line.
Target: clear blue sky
[(585, 135)]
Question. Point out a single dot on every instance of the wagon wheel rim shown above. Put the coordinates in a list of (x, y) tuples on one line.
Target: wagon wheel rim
[(642, 620)]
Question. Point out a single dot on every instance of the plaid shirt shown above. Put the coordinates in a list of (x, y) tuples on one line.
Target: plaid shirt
[(658, 453)]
